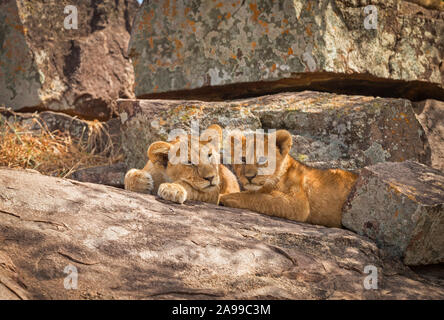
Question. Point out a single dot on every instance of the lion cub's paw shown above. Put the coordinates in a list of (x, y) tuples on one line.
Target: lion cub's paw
[(139, 181), (173, 192), (269, 185), (229, 200)]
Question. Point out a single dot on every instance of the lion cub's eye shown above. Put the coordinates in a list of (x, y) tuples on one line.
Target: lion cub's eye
[(262, 160), (188, 163), (213, 158)]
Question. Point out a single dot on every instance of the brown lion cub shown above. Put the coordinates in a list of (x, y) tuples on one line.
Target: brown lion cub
[(293, 190), (179, 181)]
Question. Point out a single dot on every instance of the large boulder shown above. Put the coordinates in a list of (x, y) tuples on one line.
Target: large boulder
[(401, 207), (44, 66), (430, 114), (250, 47), (64, 239), (329, 130)]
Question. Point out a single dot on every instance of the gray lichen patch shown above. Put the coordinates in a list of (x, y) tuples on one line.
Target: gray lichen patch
[(375, 153)]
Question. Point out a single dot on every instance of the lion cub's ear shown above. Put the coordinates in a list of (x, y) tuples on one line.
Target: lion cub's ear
[(217, 128), (213, 131), (158, 152), (283, 141)]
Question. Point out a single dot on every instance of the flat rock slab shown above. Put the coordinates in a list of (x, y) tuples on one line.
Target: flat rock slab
[(401, 207), (257, 47), (329, 130), (125, 245), (80, 71)]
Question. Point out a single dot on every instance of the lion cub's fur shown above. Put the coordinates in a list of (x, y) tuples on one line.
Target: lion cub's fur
[(293, 191), (205, 181), (429, 4), (146, 180)]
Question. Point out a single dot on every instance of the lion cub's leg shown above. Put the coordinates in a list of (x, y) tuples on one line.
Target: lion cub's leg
[(173, 192), (179, 192), (139, 181), (228, 181), (290, 206)]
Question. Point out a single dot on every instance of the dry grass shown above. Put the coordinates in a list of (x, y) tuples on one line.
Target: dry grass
[(54, 153)]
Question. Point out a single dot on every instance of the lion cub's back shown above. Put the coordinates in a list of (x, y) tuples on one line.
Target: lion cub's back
[(327, 190)]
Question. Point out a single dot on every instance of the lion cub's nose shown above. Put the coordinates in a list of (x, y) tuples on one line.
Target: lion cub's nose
[(251, 177), (209, 178)]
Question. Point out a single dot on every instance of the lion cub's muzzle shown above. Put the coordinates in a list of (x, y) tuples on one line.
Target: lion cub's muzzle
[(251, 181), (212, 180)]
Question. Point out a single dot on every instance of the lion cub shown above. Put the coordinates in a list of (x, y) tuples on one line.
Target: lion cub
[(293, 190), (179, 181)]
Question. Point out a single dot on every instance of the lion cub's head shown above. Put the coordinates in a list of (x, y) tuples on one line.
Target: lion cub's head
[(196, 166), (254, 169)]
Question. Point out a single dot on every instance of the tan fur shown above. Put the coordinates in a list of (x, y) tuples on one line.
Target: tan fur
[(179, 182), (293, 191), (429, 4), (146, 180)]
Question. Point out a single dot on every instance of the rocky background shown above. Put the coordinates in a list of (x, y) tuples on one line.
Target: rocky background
[(85, 104), (45, 66)]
